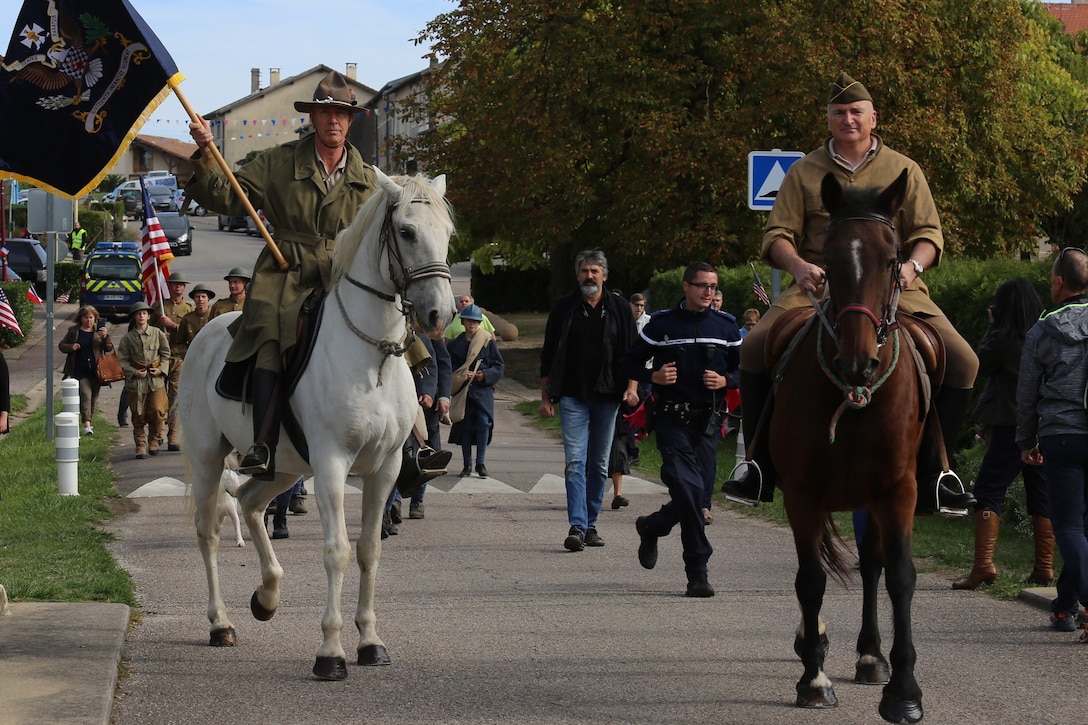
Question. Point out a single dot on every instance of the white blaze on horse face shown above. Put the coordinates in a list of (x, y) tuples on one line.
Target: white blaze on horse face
[(855, 257)]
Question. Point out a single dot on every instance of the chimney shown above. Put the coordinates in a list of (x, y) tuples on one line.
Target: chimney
[(351, 71), (273, 76), (254, 80)]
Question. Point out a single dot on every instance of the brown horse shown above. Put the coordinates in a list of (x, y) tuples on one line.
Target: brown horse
[(845, 434)]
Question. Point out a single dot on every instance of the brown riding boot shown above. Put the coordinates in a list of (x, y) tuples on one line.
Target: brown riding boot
[(987, 524), (1043, 571)]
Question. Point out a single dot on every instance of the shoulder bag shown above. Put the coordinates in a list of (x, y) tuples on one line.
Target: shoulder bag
[(109, 368)]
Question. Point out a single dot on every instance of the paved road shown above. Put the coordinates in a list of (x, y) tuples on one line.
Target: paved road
[(489, 620)]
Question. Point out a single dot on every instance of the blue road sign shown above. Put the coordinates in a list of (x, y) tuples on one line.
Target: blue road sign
[(766, 170)]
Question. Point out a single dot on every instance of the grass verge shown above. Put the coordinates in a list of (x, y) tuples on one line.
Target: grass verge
[(939, 545), (51, 546)]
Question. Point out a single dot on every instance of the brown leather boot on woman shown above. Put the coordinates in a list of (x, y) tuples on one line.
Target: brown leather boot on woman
[(987, 524), (1043, 571)]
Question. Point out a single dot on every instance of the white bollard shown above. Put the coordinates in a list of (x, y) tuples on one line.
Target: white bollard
[(70, 395), (67, 439)]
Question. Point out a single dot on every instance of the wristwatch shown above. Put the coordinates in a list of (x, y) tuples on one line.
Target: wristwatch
[(918, 268)]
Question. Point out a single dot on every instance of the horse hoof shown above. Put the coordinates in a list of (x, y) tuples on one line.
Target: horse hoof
[(225, 637), (331, 668), (898, 710), (872, 673), (799, 642), (815, 698), (259, 612), (373, 655)]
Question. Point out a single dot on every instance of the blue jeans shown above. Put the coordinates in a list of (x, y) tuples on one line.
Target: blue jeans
[(1065, 465), (588, 427)]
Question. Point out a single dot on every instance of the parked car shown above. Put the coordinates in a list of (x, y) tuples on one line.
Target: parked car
[(134, 203), (27, 258), (251, 227), (7, 274), (178, 232), (162, 198), (230, 223), (194, 208)]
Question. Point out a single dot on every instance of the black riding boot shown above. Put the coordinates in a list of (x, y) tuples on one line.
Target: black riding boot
[(420, 465), (755, 390), (260, 460), (950, 406), (279, 523)]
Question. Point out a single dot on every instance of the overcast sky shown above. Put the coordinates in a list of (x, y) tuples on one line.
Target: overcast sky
[(215, 43)]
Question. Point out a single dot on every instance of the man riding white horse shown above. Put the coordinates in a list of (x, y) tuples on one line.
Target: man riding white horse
[(309, 190)]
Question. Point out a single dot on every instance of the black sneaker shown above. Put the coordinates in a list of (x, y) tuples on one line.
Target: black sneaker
[(647, 545), (619, 501), (576, 540), (592, 538)]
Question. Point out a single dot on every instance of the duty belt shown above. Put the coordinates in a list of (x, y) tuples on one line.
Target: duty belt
[(686, 413)]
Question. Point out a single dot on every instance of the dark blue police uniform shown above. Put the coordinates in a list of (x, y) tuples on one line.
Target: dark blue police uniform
[(688, 416)]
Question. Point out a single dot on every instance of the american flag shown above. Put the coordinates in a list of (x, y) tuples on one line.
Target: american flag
[(758, 288), (155, 252), (33, 296), (63, 298), (7, 315)]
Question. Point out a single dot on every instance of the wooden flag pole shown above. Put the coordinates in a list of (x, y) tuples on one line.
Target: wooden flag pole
[(238, 191)]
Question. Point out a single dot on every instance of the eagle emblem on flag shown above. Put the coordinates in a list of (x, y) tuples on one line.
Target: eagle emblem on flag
[(64, 56)]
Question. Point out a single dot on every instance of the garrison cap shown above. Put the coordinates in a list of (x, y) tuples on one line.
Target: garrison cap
[(845, 89)]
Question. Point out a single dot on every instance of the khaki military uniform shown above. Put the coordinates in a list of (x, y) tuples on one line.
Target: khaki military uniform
[(147, 395), (799, 216), (191, 324), (225, 305), (288, 183), (175, 311)]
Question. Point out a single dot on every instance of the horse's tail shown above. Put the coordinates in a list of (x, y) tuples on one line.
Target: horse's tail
[(832, 552)]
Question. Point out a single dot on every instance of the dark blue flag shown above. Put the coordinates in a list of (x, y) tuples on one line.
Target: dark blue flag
[(79, 79)]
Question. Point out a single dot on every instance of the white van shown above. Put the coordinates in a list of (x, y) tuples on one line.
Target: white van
[(153, 177)]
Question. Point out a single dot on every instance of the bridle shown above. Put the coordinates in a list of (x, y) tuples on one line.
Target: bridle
[(402, 276), (883, 324), (857, 397)]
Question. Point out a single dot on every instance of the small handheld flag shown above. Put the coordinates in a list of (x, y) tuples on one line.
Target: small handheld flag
[(758, 288), (33, 296)]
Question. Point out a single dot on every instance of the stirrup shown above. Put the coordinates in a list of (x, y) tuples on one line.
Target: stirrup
[(251, 463), (943, 510), (753, 503)]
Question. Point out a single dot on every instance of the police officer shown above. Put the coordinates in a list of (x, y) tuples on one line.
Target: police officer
[(78, 242), (695, 351)]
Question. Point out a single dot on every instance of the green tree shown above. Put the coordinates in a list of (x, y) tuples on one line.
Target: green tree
[(578, 123), (110, 182)]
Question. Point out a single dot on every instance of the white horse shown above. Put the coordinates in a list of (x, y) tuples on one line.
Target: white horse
[(355, 401)]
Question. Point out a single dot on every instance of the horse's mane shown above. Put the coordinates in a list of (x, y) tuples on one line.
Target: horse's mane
[(413, 188)]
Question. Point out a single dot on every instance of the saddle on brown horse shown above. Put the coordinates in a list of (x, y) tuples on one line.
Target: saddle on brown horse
[(922, 339)]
